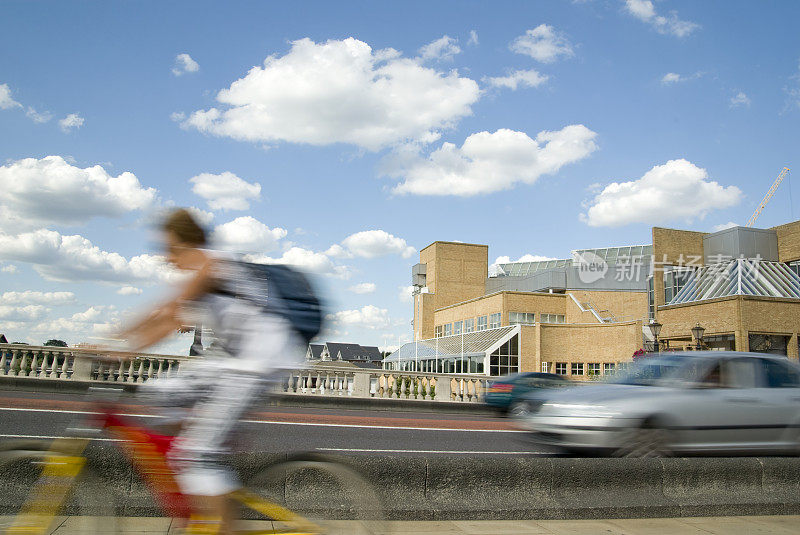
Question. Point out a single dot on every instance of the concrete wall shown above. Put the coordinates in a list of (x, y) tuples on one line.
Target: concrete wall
[(623, 305), (449, 487)]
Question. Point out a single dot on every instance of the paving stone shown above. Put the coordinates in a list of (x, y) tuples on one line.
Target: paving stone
[(500, 527)]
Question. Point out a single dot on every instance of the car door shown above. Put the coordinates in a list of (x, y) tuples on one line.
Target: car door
[(752, 422), (780, 394)]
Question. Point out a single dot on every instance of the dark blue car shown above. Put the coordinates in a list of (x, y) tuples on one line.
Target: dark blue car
[(506, 393)]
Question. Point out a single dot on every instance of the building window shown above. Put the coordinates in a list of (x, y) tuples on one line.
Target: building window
[(577, 368), (494, 321), (561, 368), (505, 359), (469, 325), (437, 333), (594, 368), (608, 368), (795, 266), (552, 318), (651, 298), (482, 323), (674, 280), (545, 367), (448, 329), (523, 318), (457, 327)]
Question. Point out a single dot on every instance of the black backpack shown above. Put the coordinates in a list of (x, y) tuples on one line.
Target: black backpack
[(290, 294)]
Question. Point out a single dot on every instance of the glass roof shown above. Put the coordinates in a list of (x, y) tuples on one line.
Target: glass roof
[(742, 276), (612, 256), (469, 344)]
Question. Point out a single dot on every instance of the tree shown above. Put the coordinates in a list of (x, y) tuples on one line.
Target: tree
[(56, 343)]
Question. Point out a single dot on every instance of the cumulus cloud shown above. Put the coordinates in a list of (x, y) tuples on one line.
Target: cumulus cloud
[(677, 190), (306, 260), (442, 49), (473, 38), (129, 290), (31, 297), (723, 226), (225, 191), (37, 116), (739, 99), (529, 78), (73, 120), (369, 317), (52, 191), (489, 162), (340, 91), (183, 64), (374, 243), (247, 234), (645, 11), (363, 288), (405, 294), (543, 43), (203, 217), (6, 101), (23, 313), (74, 258)]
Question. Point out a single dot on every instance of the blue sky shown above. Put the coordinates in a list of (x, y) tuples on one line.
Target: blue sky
[(364, 132)]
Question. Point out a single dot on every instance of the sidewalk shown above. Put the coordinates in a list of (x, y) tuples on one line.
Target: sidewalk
[(738, 525)]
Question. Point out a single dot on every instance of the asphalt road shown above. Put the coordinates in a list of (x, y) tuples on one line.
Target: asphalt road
[(281, 429)]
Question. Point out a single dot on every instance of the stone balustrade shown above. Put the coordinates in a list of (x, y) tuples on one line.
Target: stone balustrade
[(70, 364)]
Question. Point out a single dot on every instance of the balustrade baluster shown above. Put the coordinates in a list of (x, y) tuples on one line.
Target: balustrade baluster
[(3, 361), (64, 367), (13, 368), (25, 364), (140, 372)]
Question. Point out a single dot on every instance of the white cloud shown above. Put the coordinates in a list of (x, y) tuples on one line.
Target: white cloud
[(22, 314), (739, 99), (51, 191), (337, 251), (543, 44), (225, 191), (90, 314), (6, 101), (306, 260), (723, 226), (183, 64), (177, 116), (523, 258), (129, 290), (489, 162), (339, 92), (201, 216), (363, 288), (369, 317), (73, 120), (405, 294), (473, 38), (677, 190), (247, 234), (31, 297), (374, 243), (442, 49), (9, 269), (645, 11), (74, 258), (671, 78), (38, 117), (529, 78)]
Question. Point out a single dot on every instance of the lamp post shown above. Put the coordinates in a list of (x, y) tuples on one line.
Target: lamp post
[(655, 328), (697, 332)]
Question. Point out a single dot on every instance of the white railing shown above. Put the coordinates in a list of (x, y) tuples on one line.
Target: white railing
[(69, 364)]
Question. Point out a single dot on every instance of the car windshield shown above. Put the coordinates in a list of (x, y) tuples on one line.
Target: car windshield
[(671, 368)]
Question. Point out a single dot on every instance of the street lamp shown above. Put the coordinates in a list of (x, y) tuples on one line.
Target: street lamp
[(655, 328), (697, 332)]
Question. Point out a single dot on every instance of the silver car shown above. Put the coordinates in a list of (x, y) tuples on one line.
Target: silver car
[(694, 402)]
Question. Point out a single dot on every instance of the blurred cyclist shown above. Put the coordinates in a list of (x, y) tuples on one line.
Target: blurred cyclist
[(250, 342)]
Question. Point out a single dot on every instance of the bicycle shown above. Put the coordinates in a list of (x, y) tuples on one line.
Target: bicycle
[(62, 481)]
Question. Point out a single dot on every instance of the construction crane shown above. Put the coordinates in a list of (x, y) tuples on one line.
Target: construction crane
[(767, 197)]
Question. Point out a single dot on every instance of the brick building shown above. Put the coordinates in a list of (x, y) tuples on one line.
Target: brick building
[(587, 314)]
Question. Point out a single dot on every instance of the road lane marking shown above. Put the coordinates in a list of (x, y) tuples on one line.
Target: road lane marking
[(272, 422), (435, 451)]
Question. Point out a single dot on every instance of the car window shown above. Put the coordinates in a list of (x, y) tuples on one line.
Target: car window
[(780, 375), (740, 373), (712, 378)]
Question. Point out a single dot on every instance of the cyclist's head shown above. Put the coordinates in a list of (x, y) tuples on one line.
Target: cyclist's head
[(182, 235)]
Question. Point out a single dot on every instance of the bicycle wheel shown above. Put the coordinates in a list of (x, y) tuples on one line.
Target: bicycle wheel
[(88, 507), (322, 491)]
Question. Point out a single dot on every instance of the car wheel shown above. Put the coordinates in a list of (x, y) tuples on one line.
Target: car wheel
[(519, 409), (646, 442)]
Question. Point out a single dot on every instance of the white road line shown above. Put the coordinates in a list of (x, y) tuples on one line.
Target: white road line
[(53, 437), (434, 451), (271, 422)]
